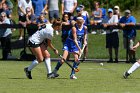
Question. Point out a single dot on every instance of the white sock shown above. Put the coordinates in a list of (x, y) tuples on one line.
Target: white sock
[(134, 67), (33, 64), (48, 65)]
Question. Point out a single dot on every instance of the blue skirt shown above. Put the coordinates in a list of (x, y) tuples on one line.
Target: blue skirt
[(70, 46)]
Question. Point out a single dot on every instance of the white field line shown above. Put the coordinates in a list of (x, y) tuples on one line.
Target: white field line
[(95, 68)]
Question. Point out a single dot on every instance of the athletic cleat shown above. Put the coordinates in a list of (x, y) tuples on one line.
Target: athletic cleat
[(116, 60), (110, 60), (56, 75), (52, 75), (126, 74), (28, 73), (73, 77)]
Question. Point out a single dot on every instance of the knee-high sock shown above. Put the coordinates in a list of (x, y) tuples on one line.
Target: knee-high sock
[(75, 65), (48, 65), (134, 67), (33, 64), (59, 64)]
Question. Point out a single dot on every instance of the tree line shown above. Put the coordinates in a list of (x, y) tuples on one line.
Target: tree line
[(123, 4)]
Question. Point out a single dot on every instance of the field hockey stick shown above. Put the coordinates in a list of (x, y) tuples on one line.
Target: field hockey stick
[(82, 51), (75, 69)]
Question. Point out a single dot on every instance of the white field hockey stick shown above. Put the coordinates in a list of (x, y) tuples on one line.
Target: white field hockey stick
[(82, 51)]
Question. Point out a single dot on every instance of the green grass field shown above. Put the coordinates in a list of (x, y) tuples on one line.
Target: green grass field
[(92, 78)]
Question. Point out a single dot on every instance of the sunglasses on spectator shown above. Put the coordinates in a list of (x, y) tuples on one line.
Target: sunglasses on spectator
[(78, 11), (115, 8), (127, 13), (110, 12)]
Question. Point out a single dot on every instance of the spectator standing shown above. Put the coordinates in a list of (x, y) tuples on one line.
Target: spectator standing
[(8, 3), (79, 12), (29, 19), (39, 7), (117, 11), (22, 5), (96, 15), (84, 12), (68, 6), (5, 37), (65, 31), (53, 9), (6, 10), (129, 34), (66, 28), (112, 38), (103, 11)]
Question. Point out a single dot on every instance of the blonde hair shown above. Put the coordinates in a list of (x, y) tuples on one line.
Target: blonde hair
[(3, 13)]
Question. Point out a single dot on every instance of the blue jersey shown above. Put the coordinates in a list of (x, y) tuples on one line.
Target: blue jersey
[(38, 6), (69, 44), (130, 33), (103, 12), (79, 32)]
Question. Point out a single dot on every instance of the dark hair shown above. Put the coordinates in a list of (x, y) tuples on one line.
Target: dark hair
[(64, 16), (57, 22)]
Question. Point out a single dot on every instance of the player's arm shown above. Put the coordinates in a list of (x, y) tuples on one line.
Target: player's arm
[(51, 46), (127, 24), (75, 38), (132, 23), (136, 46)]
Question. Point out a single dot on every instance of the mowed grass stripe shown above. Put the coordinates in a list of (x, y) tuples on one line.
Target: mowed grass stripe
[(100, 79)]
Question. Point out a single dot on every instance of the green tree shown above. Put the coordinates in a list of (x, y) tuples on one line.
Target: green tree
[(123, 4)]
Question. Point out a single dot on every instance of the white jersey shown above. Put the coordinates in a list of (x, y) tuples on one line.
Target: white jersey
[(40, 35), (85, 13), (113, 19), (23, 4), (68, 5)]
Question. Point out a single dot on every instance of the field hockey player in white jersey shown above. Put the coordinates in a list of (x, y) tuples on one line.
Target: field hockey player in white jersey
[(38, 43)]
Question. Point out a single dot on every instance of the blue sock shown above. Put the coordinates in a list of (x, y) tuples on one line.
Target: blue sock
[(59, 64), (75, 65)]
